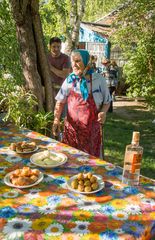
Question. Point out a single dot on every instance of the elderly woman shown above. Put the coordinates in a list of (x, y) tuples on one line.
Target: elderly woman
[(88, 99)]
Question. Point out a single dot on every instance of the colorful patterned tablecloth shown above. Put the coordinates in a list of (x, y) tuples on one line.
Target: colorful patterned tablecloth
[(52, 212)]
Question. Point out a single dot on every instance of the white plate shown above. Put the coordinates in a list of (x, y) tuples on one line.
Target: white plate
[(34, 150), (8, 182), (99, 180), (57, 159)]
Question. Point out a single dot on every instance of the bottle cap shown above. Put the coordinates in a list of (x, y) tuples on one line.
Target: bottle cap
[(135, 137)]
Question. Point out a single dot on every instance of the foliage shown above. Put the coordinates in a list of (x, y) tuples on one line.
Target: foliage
[(98, 8), (20, 106), (49, 19), (136, 31), (9, 60), (55, 25), (52, 23), (59, 18), (52, 26), (42, 122), (18, 103), (51, 16)]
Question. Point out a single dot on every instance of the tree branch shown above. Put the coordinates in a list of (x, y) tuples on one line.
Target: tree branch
[(81, 8), (73, 13)]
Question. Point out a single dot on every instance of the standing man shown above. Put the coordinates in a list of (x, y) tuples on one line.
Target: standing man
[(59, 64)]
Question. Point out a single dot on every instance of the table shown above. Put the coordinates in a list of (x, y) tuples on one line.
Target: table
[(50, 211)]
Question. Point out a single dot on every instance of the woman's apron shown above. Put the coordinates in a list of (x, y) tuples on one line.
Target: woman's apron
[(81, 129)]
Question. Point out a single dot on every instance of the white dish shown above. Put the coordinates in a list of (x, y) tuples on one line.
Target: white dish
[(8, 182), (99, 180), (54, 159), (34, 150)]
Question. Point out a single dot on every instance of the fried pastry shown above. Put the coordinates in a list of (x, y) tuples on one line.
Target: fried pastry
[(34, 178), (22, 181), (93, 179), (26, 171), (74, 184), (23, 146), (89, 175), (24, 176), (95, 186), (27, 149), (14, 181), (87, 189), (19, 149), (17, 172), (80, 188), (13, 146), (80, 176), (85, 182), (35, 172), (81, 182)]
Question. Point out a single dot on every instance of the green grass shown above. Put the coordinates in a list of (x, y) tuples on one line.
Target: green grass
[(118, 133)]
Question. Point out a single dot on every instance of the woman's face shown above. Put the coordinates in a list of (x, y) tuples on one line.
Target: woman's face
[(77, 64)]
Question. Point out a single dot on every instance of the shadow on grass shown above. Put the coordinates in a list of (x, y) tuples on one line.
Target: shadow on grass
[(118, 133)]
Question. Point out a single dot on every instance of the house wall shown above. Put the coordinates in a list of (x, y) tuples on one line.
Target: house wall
[(99, 46), (96, 49), (94, 43)]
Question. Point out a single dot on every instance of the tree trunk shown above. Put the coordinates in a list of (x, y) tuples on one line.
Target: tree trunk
[(33, 56), (76, 14), (72, 39)]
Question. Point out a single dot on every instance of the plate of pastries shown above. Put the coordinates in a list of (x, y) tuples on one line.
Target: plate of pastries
[(48, 159), (23, 178), (24, 147), (86, 183)]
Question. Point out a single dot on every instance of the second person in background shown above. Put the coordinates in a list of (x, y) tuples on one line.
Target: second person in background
[(88, 98), (59, 64), (110, 72), (113, 76)]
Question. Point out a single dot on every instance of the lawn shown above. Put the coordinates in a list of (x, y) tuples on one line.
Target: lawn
[(118, 133)]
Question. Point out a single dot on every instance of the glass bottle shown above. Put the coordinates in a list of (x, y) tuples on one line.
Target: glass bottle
[(132, 161)]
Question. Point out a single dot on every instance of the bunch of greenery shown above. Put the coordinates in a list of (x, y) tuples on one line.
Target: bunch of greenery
[(42, 122), (98, 8), (9, 48), (135, 34), (20, 107), (18, 104)]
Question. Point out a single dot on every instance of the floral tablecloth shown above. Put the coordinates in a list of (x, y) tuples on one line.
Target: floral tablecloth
[(50, 211)]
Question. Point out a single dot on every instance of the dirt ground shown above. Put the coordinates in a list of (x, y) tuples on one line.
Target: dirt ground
[(122, 104)]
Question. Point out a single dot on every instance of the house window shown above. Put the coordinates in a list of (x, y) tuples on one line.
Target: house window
[(96, 49)]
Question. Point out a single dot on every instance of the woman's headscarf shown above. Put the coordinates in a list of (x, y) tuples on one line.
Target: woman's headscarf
[(85, 58), (84, 54), (83, 83)]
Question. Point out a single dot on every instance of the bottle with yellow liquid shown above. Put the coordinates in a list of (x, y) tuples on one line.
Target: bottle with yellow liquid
[(132, 161)]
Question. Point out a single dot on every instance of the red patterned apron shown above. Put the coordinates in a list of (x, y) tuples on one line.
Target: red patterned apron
[(81, 129)]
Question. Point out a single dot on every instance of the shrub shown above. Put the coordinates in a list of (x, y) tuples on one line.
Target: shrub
[(20, 107)]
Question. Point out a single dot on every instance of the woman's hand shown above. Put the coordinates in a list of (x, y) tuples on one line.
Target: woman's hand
[(57, 113), (56, 127), (101, 117)]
